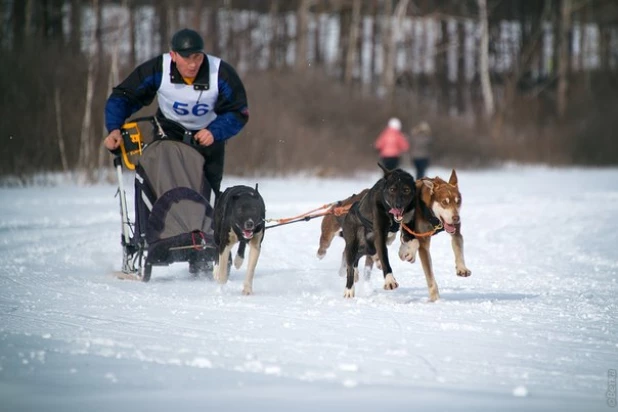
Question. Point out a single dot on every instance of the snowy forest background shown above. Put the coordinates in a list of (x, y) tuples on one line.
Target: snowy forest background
[(531, 81)]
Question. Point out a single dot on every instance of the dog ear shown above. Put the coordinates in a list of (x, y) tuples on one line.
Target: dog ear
[(453, 179), (256, 188), (384, 169), (428, 183)]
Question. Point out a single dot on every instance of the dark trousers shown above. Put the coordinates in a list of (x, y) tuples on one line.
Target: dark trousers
[(421, 164), (390, 162), (214, 161)]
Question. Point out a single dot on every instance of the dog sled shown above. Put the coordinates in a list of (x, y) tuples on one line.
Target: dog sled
[(173, 219)]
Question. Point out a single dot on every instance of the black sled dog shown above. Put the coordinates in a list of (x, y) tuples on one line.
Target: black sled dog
[(375, 219), (239, 218)]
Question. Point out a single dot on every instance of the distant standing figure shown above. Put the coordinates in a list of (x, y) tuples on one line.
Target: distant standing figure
[(391, 144), (421, 148)]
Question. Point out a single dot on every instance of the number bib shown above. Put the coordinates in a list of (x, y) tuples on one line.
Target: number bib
[(194, 109)]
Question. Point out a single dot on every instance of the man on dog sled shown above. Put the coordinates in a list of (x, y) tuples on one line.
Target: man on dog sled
[(201, 92), (201, 99)]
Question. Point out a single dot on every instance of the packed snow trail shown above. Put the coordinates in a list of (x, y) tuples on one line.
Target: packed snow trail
[(533, 328)]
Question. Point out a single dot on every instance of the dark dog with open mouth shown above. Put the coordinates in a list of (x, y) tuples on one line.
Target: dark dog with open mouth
[(239, 218), (438, 204), (373, 219)]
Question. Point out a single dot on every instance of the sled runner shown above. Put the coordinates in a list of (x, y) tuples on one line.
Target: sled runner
[(173, 218)]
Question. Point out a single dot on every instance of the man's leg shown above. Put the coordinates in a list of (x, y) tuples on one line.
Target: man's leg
[(213, 172), (214, 160)]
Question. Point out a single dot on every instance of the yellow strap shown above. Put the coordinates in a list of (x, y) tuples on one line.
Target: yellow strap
[(132, 131)]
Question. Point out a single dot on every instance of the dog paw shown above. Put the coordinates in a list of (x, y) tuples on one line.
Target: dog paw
[(247, 290), (348, 293), (321, 253), (390, 283), (464, 272), (407, 251)]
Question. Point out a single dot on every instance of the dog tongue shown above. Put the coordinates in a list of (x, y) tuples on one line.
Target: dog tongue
[(449, 228), (398, 213), (247, 234)]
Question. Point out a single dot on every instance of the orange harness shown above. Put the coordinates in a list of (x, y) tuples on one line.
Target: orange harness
[(334, 209), (423, 234)]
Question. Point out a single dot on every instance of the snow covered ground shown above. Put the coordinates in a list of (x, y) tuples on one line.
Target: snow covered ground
[(534, 327)]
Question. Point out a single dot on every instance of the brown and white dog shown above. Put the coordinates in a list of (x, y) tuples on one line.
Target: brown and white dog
[(438, 204), (331, 227)]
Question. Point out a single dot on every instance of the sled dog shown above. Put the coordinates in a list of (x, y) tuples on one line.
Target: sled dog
[(438, 205), (331, 227), (239, 218), (373, 219)]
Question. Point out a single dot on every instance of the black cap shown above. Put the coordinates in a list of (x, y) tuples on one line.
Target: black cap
[(186, 42)]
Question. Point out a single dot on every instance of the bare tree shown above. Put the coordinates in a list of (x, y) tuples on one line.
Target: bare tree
[(29, 12), (164, 25), (198, 9), (391, 27), (302, 24), (132, 34), (317, 33), (18, 20), (76, 26), (113, 75), (59, 130), (273, 17), (442, 66), (85, 146), (483, 64), (352, 49), (213, 28), (461, 68), (563, 57)]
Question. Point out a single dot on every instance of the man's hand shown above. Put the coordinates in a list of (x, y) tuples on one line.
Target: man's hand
[(204, 137), (112, 141)]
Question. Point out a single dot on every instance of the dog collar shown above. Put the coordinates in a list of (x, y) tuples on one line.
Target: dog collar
[(431, 218)]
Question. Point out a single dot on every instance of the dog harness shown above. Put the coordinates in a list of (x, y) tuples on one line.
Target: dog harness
[(431, 218), (368, 224)]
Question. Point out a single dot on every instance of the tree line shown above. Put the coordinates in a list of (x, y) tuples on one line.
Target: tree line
[(499, 80)]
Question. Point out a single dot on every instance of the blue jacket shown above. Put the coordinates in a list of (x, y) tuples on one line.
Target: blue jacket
[(140, 88)]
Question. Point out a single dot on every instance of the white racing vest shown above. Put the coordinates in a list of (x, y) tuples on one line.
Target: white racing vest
[(194, 109)]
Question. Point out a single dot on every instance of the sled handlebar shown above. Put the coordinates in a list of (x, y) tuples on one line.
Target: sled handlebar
[(133, 142), (156, 122)]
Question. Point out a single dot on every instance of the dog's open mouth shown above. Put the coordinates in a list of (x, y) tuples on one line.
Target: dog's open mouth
[(397, 214), (448, 227), (247, 234)]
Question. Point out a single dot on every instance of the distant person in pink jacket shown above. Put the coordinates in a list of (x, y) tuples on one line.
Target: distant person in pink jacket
[(391, 144)]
